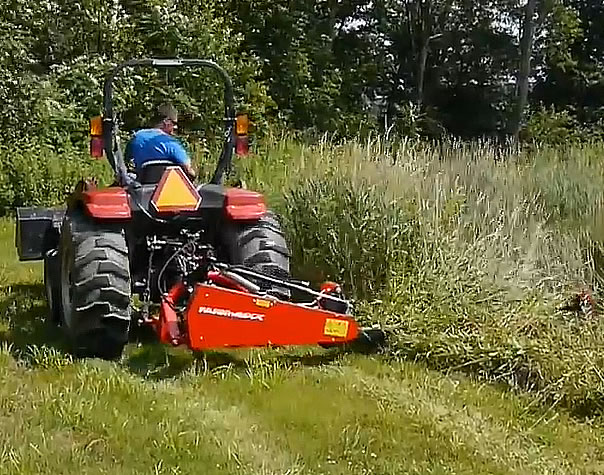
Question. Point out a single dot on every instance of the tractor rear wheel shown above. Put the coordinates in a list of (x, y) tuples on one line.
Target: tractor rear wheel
[(95, 286), (260, 246)]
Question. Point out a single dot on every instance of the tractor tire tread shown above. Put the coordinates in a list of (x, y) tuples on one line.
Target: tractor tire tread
[(262, 247), (258, 258), (100, 289), (272, 246)]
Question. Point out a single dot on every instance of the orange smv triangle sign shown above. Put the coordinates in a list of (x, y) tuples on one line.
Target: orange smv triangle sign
[(175, 192)]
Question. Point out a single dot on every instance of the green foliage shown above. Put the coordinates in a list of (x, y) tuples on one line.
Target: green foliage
[(566, 30), (559, 127), (466, 259), (309, 70), (348, 232), (35, 175), (55, 83), (551, 126), (347, 68), (574, 79)]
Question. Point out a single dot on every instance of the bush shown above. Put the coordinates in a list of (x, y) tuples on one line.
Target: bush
[(348, 232), (34, 175), (559, 127)]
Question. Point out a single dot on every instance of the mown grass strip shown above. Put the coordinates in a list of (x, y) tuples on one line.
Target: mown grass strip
[(363, 416), (92, 417)]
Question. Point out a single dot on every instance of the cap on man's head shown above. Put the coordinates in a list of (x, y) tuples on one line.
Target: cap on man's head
[(167, 111)]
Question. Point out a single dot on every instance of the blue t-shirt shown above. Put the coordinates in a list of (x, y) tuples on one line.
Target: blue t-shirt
[(154, 144)]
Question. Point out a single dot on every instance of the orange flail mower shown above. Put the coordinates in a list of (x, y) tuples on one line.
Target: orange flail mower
[(226, 318), (225, 310)]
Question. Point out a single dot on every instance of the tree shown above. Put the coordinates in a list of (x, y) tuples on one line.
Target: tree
[(328, 65), (526, 51), (423, 18), (572, 71), (319, 58), (57, 54)]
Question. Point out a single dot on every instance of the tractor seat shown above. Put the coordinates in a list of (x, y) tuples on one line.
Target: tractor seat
[(152, 171)]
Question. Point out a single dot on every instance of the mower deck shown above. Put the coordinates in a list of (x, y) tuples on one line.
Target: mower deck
[(224, 318)]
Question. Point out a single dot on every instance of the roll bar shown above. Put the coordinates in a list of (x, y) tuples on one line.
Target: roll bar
[(113, 151)]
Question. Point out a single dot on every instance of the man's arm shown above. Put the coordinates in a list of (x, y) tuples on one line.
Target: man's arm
[(180, 156), (128, 157), (190, 171)]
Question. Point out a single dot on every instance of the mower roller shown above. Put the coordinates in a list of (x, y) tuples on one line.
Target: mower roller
[(208, 263)]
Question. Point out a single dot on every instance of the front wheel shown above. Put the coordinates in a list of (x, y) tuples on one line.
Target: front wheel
[(95, 286)]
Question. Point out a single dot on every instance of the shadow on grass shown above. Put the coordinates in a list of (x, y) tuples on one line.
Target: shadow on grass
[(24, 319), (156, 361)]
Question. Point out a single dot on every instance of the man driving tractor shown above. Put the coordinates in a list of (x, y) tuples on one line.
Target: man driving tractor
[(157, 145)]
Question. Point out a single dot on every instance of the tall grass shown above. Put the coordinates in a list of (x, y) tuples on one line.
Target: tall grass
[(467, 252)]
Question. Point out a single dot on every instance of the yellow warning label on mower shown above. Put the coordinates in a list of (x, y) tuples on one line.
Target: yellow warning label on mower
[(335, 327), (263, 303)]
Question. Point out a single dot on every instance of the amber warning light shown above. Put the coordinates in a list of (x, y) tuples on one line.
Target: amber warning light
[(175, 193), (242, 144)]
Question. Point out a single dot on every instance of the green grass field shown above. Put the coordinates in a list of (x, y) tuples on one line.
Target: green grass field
[(260, 411), (467, 257)]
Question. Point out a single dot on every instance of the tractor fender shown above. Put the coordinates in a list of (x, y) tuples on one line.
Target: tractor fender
[(107, 203), (244, 205)]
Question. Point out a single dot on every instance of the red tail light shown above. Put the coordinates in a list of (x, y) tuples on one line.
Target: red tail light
[(96, 147), (242, 147)]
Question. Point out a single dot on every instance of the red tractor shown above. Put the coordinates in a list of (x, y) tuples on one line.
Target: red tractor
[(209, 263)]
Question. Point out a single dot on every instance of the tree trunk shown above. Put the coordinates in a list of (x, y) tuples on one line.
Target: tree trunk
[(424, 28), (421, 72), (524, 72)]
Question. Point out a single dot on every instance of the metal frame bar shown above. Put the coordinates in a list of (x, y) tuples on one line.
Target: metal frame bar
[(282, 283), (116, 159)]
